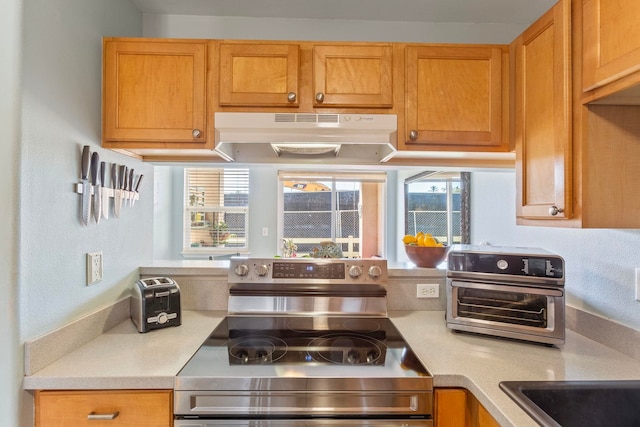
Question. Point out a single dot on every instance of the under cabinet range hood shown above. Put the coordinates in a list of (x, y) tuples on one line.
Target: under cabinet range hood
[(306, 137)]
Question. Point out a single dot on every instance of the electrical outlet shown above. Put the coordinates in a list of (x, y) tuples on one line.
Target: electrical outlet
[(94, 267), (265, 231), (637, 284), (428, 290)]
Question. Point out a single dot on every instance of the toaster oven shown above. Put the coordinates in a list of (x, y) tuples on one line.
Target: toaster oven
[(507, 292), (155, 304)]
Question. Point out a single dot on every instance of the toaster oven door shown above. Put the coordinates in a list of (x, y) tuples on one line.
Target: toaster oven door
[(512, 311)]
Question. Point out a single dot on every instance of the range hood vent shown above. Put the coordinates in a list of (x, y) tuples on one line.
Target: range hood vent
[(305, 138)]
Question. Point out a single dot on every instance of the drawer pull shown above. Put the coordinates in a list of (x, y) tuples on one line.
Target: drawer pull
[(112, 416)]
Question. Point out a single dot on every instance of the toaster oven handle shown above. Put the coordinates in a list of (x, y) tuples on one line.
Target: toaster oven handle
[(103, 417)]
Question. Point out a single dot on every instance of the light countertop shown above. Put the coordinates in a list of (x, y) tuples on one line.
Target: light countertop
[(122, 358)]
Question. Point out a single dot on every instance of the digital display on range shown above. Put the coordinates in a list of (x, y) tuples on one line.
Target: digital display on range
[(291, 270)]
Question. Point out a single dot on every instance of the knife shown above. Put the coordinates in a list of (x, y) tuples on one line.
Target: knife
[(97, 194), (122, 176), (116, 190), (86, 188), (130, 182), (133, 202), (105, 193)]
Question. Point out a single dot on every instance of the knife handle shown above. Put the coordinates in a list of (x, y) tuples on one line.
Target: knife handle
[(86, 159), (131, 180), (126, 176), (121, 177), (95, 164), (114, 176), (103, 174), (139, 181)]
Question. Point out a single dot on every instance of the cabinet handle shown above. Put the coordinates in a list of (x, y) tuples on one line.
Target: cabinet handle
[(554, 210), (102, 417), (196, 133), (413, 135), (320, 97), (291, 97)]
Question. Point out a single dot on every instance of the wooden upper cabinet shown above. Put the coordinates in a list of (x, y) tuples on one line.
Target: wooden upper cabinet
[(259, 74), (542, 117), (611, 40), (455, 96), (305, 75), (353, 76), (154, 91)]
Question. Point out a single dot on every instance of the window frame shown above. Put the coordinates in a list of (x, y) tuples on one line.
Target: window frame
[(333, 177), (188, 210)]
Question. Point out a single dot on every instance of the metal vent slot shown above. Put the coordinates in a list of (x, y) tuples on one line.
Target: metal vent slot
[(306, 118), (504, 307), (328, 118), (285, 118)]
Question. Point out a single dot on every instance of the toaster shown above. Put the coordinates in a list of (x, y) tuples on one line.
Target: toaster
[(155, 304)]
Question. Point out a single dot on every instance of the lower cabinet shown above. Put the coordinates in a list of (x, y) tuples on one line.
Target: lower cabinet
[(122, 408), (457, 407)]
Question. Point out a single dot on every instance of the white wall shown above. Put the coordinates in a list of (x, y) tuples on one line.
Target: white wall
[(60, 94), (599, 263), (212, 27), (10, 354)]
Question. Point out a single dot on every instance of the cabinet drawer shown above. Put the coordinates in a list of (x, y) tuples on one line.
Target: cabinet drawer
[(94, 408)]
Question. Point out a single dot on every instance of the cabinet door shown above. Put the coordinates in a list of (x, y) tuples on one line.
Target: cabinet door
[(454, 96), (611, 40), (542, 128), (259, 75), (353, 76), (115, 408), (457, 407), (154, 91)]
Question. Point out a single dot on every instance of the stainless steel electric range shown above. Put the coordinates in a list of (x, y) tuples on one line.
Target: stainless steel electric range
[(306, 342)]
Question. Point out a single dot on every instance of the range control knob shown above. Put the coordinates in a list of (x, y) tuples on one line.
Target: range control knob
[(375, 272), (241, 270), (163, 318), (262, 270), (355, 271), (503, 264)]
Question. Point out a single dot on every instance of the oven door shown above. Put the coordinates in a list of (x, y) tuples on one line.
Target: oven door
[(305, 423), (507, 310)]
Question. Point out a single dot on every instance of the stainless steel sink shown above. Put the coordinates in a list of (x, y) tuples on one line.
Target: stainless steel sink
[(578, 403)]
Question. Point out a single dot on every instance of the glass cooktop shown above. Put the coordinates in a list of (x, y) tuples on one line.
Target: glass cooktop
[(304, 346)]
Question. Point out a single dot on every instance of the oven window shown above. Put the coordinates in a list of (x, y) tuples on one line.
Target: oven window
[(504, 307)]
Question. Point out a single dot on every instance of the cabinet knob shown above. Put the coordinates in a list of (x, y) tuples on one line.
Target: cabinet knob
[(413, 135), (554, 210), (104, 417), (320, 97), (291, 97), (196, 133)]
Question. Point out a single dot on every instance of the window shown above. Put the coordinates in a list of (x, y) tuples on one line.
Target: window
[(216, 211), (345, 208), (438, 203)]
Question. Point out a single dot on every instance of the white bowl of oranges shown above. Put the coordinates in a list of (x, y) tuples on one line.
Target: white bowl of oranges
[(424, 250)]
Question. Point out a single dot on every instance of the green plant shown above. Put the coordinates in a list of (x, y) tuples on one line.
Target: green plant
[(219, 232)]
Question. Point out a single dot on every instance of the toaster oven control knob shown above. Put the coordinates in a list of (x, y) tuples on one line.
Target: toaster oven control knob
[(262, 270), (241, 270), (375, 272), (503, 264), (355, 271), (163, 318)]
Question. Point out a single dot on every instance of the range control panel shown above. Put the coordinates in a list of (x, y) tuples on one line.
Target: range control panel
[(307, 270)]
